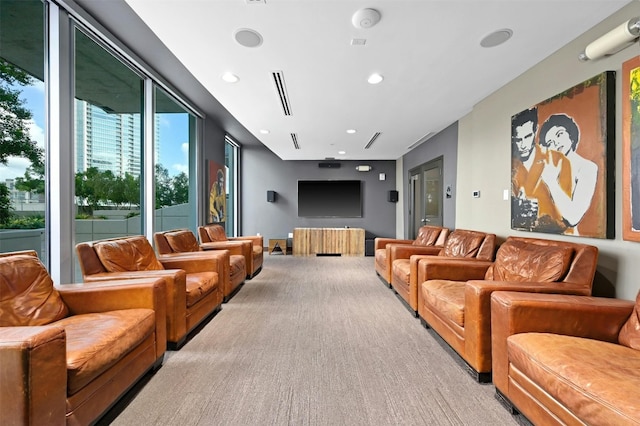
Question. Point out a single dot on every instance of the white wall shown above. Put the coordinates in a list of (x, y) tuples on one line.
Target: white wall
[(484, 152)]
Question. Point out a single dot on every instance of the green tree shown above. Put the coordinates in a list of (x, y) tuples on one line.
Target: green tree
[(33, 180), (131, 188), (164, 189), (5, 204), (180, 189)]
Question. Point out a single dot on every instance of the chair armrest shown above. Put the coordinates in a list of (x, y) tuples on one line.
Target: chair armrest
[(451, 268), (255, 240), (383, 242), (477, 298), (582, 316), (209, 261), (176, 294), (33, 377), (242, 248), (404, 251)]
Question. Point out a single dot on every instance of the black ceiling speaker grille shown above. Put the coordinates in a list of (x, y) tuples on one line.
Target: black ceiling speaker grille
[(372, 140), (294, 138), (278, 79)]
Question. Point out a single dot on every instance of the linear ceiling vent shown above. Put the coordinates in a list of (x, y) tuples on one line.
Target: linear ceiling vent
[(372, 140), (294, 138), (278, 79), (256, 1), (421, 140)]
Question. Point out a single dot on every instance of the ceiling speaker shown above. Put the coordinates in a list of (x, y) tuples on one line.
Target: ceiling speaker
[(365, 18), (329, 165)]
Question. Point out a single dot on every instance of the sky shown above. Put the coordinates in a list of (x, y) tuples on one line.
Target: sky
[(174, 144)]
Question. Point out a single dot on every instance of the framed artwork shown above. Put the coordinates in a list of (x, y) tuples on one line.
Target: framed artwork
[(217, 211), (631, 149), (562, 162)]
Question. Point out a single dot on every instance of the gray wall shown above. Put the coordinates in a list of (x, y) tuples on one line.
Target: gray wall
[(263, 171), (445, 145)]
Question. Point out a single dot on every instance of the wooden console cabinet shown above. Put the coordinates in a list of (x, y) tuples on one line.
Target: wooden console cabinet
[(328, 241)]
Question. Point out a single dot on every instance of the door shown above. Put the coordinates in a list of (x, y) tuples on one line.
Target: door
[(425, 196)]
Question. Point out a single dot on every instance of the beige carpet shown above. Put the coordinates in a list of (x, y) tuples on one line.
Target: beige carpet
[(313, 341)]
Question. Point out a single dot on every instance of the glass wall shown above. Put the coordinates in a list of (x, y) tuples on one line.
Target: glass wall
[(108, 143), (231, 154), (22, 127), (174, 138)]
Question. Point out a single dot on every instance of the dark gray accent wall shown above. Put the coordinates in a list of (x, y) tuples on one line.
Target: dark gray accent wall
[(445, 145), (263, 171)]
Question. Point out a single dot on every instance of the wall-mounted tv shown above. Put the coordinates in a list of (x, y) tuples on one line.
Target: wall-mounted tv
[(329, 198)]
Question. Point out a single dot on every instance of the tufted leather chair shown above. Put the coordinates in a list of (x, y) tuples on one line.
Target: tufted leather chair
[(183, 241), (455, 299), (213, 237), (194, 285), (69, 352), (430, 240), (461, 243)]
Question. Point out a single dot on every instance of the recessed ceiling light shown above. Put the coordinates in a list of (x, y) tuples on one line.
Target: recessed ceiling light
[(351, 131), (342, 152), (230, 77), (375, 78), (496, 38), (248, 37), (265, 131)]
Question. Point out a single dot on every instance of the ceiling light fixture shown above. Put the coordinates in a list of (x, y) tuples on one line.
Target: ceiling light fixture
[(365, 18), (230, 77), (624, 35), (342, 152), (351, 131), (265, 131), (375, 78), (247, 37), (496, 38)]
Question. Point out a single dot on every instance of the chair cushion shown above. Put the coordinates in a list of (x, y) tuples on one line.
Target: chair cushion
[(427, 236), (27, 295), (127, 254), (237, 264), (630, 332), (446, 297), (182, 241), (521, 261), (402, 269), (95, 342), (216, 233), (597, 381), (200, 284), (463, 244)]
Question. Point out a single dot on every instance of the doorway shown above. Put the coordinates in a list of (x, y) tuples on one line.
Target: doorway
[(425, 196)]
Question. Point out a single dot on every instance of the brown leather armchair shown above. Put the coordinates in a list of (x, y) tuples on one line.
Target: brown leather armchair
[(69, 352), (194, 285), (455, 301), (430, 240), (213, 237), (567, 359), (183, 241), (461, 243)]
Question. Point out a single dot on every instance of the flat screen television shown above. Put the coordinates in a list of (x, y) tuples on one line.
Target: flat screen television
[(329, 198)]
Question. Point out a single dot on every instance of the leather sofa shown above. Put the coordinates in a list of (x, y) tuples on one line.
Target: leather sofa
[(69, 352), (194, 285), (563, 360), (461, 243), (455, 301), (214, 237), (430, 240), (183, 241)]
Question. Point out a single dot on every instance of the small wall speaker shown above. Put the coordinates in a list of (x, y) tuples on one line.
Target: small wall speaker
[(271, 196), (393, 196)]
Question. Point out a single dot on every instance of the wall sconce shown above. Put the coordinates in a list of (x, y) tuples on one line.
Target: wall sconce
[(364, 168), (621, 37)]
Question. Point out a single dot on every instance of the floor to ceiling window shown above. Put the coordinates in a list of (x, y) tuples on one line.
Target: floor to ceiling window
[(174, 138), (108, 143), (231, 154), (22, 126)]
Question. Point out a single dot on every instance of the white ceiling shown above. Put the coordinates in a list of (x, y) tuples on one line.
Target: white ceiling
[(428, 51)]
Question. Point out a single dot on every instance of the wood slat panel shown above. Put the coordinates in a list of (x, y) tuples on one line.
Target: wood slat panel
[(344, 241)]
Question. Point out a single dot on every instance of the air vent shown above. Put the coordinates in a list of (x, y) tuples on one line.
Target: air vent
[(358, 41), (421, 140), (256, 1), (294, 138), (372, 140), (278, 79)]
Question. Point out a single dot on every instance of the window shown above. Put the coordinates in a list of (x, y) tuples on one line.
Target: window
[(108, 143), (174, 138), (22, 127), (231, 154)]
